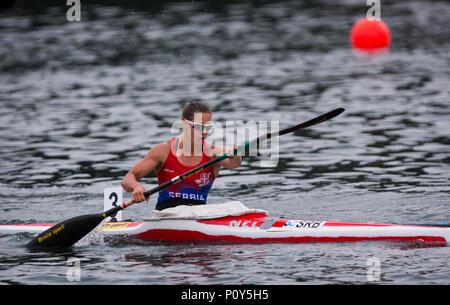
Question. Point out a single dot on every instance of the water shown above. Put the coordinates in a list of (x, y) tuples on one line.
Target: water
[(82, 102)]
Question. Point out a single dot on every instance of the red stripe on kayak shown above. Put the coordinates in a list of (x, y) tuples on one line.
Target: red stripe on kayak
[(353, 224), (356, 224), (189, 236)]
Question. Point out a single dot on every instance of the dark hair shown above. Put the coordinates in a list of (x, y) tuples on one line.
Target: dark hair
[(192, 107)]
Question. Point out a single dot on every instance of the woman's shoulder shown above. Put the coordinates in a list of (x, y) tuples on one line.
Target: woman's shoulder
[(161, 150)]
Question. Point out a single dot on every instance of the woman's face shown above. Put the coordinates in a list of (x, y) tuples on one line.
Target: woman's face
[(194, 126)]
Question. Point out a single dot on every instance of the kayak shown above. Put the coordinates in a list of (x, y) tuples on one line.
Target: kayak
[(68, 232), (252, 226)]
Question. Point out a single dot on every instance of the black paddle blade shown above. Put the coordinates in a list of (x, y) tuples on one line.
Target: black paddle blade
[(66, 233)]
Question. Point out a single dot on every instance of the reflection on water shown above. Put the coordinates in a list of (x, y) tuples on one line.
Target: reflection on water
[(189, 264), (82, 102), (194, 264)]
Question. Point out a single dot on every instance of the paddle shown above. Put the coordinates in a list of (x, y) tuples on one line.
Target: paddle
[(68, 232)]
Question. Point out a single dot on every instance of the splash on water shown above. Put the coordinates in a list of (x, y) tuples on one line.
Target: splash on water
[(95, 237)]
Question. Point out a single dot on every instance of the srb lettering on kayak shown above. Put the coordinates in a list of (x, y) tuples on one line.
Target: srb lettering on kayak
[(304, 224)]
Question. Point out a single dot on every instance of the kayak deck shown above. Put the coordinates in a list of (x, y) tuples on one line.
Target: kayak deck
[(258, 228)]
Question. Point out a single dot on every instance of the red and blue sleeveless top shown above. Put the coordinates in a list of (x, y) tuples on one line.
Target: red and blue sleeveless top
[(192, 190)]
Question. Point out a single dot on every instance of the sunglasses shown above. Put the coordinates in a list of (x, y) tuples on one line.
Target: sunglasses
[(200, 126)]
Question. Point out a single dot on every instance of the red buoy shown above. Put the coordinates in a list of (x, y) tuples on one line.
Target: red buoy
[(370, 35)]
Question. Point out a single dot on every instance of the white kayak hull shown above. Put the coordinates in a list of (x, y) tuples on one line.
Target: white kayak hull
[(258, 228)]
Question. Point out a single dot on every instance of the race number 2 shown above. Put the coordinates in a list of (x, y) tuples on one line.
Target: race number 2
[(112, 198)]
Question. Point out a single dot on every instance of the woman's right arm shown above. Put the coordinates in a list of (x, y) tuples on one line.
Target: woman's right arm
[(153, 160)]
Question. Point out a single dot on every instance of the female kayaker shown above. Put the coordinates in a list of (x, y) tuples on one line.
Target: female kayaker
[(178, 155)]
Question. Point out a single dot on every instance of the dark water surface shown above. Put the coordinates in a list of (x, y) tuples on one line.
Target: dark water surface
[(82, 102)]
